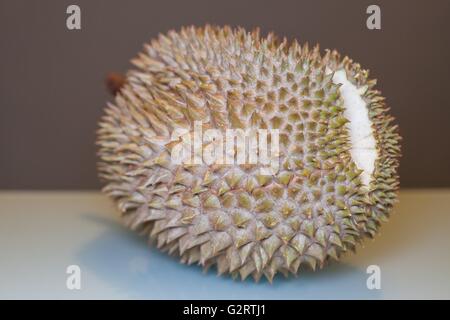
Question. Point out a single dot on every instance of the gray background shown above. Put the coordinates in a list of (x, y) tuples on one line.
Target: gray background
[(52, 80)]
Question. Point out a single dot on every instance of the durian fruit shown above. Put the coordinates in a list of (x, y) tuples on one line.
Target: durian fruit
[(339, 151)]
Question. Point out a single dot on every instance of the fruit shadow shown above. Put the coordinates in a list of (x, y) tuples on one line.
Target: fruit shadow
[(125, 261)]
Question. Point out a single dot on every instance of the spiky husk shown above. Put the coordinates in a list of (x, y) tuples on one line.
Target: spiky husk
[(315, 208)]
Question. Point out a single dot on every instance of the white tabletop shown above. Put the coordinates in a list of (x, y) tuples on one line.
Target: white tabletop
[(42, 233)]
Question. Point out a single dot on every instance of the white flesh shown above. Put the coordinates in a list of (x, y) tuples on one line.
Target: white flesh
[(363, 151)]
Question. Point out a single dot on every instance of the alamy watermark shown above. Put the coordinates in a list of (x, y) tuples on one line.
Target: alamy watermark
[(373, 282), (73, 20), (259, 147), (373, 22), (73, 281)]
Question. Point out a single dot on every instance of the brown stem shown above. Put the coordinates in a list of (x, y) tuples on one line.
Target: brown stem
[(114, 82)]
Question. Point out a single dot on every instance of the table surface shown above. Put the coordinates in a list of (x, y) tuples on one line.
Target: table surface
[(42, 233)]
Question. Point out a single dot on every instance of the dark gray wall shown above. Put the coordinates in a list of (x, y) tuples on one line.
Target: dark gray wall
[(52, 90)]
